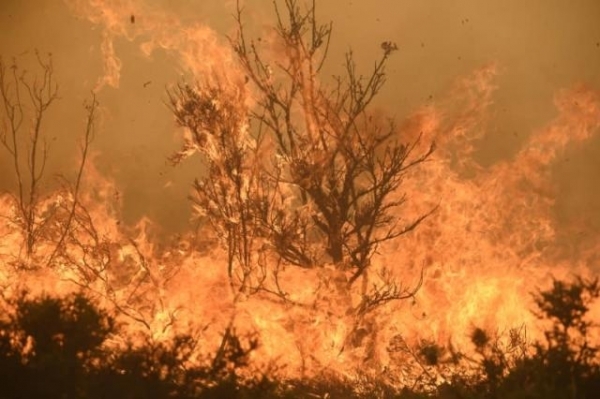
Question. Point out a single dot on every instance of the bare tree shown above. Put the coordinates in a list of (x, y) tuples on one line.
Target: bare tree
[(58, 230), (308, 169), (25, 103)]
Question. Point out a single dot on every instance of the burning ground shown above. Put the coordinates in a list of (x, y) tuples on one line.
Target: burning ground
[(464, 243)]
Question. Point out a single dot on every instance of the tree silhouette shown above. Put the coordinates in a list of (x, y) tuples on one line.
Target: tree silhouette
[(307, 172), (24, 104)]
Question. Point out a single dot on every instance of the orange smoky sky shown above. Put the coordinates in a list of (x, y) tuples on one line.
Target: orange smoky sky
[(538, 46)]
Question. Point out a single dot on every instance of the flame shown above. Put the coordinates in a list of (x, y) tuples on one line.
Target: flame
[(493, 239), (198, 48)]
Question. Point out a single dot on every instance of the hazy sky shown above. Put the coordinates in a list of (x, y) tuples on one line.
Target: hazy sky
[(540, 47)]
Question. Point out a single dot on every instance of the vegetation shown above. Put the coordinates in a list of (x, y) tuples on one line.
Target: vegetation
[(68, 347), (24, 105), (61, 348), (308, 175), (305, 175), (54, 229)]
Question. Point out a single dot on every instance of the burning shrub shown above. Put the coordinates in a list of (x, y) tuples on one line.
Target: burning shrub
[(431, 353), (480, 338), (565, 365), (50, 344), (60, 348), (309, 173)]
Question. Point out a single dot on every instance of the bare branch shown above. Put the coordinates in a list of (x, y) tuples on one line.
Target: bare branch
[(321, 184), (87, 140)]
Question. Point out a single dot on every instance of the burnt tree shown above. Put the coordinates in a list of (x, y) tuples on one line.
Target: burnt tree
[(303, 166)]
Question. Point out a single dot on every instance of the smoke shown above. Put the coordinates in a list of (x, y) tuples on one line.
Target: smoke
[(539, 49), (496, 85), (197, 49)]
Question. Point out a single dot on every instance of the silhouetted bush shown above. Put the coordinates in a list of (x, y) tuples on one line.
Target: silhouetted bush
[(57, 348), (49, 345), (566, 364), (563, 365)]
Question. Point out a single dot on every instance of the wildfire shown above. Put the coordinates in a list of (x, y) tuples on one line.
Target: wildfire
[(492, 240)]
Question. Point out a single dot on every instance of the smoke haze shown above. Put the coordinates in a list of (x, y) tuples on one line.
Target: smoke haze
[(539, 47)]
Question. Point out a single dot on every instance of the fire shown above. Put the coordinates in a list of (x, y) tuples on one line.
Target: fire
[(198, 47), (493, 239)]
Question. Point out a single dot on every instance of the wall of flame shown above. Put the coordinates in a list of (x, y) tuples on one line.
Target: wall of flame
[(509, 91)]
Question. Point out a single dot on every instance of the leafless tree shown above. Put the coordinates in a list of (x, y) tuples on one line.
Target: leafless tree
[(307, 170), (28, 166), (25, 103), (59, 231)]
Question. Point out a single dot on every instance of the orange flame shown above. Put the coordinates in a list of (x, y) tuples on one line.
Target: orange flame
[(493, 239)]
